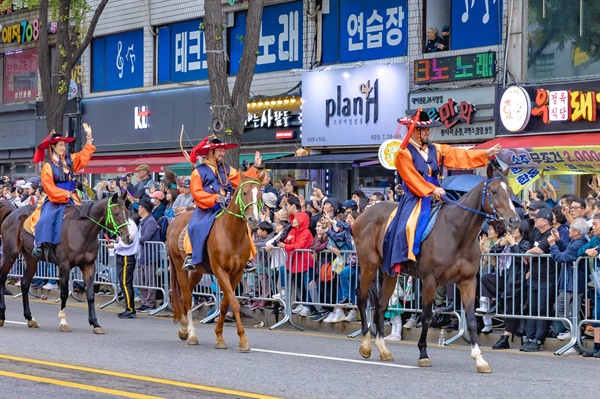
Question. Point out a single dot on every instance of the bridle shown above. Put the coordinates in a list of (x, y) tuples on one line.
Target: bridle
[(110, 219), (240, 202), (485, 194)]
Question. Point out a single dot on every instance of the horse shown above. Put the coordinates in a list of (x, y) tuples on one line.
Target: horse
[(228, 248), (78, 247), (450, 254)]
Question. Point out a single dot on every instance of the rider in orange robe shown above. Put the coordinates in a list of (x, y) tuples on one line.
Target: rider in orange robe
[(58, 183), (419, 166), (212, 183)]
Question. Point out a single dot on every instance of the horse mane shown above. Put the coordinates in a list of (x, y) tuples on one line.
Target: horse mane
[(76, 212)]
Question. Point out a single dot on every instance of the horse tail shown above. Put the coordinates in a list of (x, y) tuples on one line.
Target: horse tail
[(176, 294), (6, 208)]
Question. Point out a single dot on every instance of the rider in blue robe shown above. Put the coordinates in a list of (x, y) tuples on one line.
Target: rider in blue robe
[(212, 183), (58, 183), (418, 165)]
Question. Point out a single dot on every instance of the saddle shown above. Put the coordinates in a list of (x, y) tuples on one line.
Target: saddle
[(31, 221)]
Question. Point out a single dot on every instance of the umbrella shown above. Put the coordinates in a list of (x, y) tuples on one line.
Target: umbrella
[(461, 183)]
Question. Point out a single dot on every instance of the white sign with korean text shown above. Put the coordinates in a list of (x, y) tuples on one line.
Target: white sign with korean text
[(358, 106)]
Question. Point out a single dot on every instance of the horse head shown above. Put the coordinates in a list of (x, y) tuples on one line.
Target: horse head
[(497, 198), (113, 215), (247, 200)]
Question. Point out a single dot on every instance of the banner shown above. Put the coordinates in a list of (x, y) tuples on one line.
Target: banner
[(527, 163)]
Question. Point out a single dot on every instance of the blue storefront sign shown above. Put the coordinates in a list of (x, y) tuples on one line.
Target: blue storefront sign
[(364, 30), (182, 52), (476, 23), (118, 61), (280, 45)]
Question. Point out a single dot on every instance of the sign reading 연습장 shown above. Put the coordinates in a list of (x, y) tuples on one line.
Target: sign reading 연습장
[(358, 106)]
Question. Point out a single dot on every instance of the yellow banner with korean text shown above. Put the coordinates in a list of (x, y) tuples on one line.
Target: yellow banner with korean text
[(526, 164)]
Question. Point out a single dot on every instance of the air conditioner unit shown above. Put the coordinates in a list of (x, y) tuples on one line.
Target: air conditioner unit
[(229, 19)]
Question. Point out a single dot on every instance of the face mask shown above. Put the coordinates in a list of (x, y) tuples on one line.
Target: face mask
[(147, 191), (7, 196)]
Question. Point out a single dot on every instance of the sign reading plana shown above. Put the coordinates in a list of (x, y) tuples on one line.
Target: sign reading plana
[(459, 67), (355, 106)]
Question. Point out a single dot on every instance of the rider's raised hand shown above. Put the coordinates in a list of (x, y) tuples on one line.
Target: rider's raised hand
[(257, 160), (493, 151), (88, 131)]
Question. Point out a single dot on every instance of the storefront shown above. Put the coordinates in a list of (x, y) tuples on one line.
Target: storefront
[(552, 128), (346, 115)]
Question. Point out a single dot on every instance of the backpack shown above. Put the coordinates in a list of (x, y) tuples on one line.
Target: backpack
[(163, 225)]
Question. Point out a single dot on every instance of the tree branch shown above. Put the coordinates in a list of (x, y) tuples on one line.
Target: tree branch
[(90, 34)]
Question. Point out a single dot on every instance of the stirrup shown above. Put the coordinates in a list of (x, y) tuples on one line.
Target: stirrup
[(37, 251), (188, 264)]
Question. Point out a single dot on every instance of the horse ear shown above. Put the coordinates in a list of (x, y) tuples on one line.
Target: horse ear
[(490, 170), (125, 199), (115, 198), (261, 175)]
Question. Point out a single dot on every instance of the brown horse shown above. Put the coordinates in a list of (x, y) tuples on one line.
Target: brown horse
[(450, 254), (228, 246), (78, 247)]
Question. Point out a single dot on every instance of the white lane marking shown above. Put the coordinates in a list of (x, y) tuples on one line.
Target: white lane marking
[(15, 322), (337, 359)]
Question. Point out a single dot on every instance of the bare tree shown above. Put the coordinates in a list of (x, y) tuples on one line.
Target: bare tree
[(72, 38), (229, 109)]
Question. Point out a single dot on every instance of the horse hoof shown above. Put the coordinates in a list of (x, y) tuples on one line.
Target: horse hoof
[(386, 357), (220, 345), (32, 324), (366, 353), (425, 362), (244, 346), (1, 323), (193, 340), (183, 335), (64, 328), (484, 368), (97, 330)]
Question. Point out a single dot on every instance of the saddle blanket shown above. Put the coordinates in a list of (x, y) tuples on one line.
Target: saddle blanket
[(31, 221)]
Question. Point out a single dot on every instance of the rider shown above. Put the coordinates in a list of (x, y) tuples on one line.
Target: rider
[(212, 183), (58, 183), (418, 163)]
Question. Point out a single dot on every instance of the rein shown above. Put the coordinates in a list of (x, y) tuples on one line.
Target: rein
[(240, 203), (110, 219), (484, 194)]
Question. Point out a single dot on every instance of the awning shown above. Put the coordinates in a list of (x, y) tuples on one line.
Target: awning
[(127, 163), (547, 140), (185, 168), (321, 161)]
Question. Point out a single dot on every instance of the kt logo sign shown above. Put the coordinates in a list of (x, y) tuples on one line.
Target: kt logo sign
[(141, 117)]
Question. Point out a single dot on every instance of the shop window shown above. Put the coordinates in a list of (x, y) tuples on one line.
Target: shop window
[(562, 41), (20, 73), (471, 24)]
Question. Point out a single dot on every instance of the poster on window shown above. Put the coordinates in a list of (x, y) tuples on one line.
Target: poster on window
[(280, 43), (20, 76), (475, 23)]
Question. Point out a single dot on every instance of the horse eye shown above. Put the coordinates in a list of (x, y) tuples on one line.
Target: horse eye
[(494, 192)]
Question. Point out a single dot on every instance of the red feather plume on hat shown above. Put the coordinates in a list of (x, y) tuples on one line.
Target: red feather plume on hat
[(193, 153), (38, 156)]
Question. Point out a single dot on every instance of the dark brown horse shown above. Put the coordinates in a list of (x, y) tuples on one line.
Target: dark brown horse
[(78, 247), (450, 254), (228, 246)]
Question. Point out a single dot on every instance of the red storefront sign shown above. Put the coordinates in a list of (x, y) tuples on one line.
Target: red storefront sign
[(20, 76)]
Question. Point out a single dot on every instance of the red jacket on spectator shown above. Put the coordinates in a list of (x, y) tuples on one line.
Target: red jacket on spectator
[(299, 237)]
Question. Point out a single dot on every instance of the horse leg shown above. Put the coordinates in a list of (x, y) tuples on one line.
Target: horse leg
[(229, 283), (187, 324), (362, 296), (64, 295), (467, 292), (30, 269), (427, 301), (220, 344), (387, 287), (7, 263), (88, 272)]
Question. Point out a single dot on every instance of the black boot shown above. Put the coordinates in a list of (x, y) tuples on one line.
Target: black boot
[(188, 265), (502, 343)]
